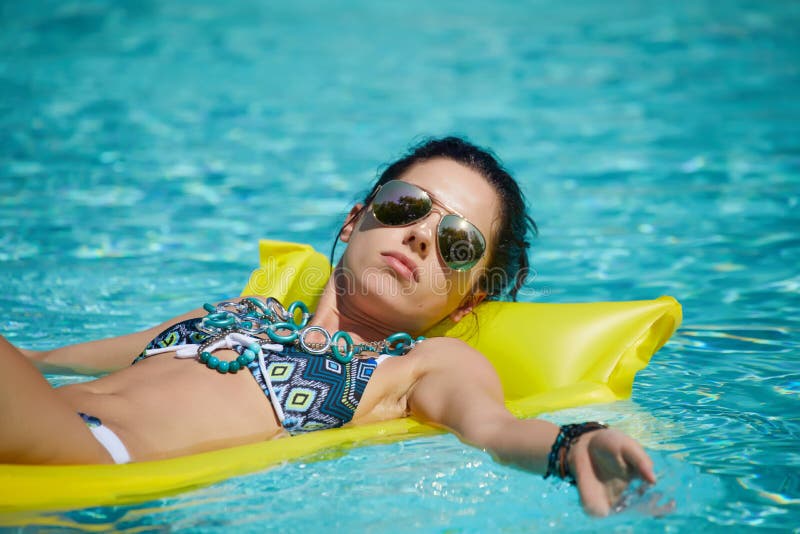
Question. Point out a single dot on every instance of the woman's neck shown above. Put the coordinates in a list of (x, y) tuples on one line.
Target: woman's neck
[(339, 312)]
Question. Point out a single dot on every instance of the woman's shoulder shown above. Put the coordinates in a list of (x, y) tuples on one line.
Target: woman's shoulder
[(448, 352)]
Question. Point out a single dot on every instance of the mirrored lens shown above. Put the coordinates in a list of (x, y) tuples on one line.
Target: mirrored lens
[(460, 243), (398, 203)]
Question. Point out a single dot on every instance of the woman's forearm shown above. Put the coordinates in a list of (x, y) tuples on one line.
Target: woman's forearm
[(524, 443), (88, 358), (33, 355), (40, 359), (91, 357), (103, 355)]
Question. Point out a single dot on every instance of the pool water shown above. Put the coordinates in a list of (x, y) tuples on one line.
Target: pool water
[(146, 147)]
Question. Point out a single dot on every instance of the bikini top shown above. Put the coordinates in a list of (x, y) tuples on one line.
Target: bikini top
[(308, 392)]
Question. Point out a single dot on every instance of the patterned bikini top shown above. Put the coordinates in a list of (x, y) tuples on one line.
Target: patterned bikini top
[(309, 392)]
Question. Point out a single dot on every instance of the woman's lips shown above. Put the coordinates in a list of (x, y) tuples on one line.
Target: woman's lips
[(402, 265)]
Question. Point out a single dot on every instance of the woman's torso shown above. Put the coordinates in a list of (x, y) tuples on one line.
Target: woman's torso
[(165, 407)]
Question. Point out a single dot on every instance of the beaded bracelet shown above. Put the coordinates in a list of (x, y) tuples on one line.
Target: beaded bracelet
[(567, 436)]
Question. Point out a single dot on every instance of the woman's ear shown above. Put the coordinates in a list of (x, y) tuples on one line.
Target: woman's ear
[(350, 222), (467, 306)]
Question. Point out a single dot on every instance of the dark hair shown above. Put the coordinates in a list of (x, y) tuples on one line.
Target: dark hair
[(509, 264)]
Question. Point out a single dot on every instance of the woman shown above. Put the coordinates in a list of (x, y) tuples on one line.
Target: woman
[(443, 229)]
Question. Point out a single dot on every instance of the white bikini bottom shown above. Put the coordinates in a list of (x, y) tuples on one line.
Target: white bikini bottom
[(107, 438)]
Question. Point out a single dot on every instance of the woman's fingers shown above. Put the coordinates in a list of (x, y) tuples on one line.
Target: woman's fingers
[(635, 456), (600, 475), (594, 497), (605, 466)]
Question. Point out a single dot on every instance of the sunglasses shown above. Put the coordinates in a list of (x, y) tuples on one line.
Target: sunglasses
[(461, 245)]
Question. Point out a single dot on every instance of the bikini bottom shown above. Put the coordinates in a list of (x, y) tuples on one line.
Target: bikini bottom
[(107, 438)]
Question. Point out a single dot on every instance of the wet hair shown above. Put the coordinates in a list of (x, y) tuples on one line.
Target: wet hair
[(508, 261)]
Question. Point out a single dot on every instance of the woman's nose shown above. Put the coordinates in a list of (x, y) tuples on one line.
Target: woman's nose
[(419, 237)]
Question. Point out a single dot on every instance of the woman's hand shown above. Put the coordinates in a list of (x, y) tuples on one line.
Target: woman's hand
[(604, 462)]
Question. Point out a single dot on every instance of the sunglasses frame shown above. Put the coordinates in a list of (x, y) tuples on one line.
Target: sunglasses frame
[(444, 213)]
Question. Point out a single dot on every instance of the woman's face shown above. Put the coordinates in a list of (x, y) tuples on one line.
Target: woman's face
[(396, 273)]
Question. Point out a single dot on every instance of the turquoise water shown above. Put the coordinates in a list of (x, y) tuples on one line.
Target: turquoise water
[(146, 146)]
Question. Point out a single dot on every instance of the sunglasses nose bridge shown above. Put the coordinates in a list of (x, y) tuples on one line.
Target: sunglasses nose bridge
[(430, 222)]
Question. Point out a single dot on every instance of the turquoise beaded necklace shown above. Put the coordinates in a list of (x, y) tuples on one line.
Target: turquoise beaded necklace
[(252, 317)]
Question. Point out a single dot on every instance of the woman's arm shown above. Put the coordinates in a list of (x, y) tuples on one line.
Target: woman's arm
[(457, 388), (104, 355)]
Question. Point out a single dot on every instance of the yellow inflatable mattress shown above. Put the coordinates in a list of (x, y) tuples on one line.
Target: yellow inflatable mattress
[(548, 356)]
